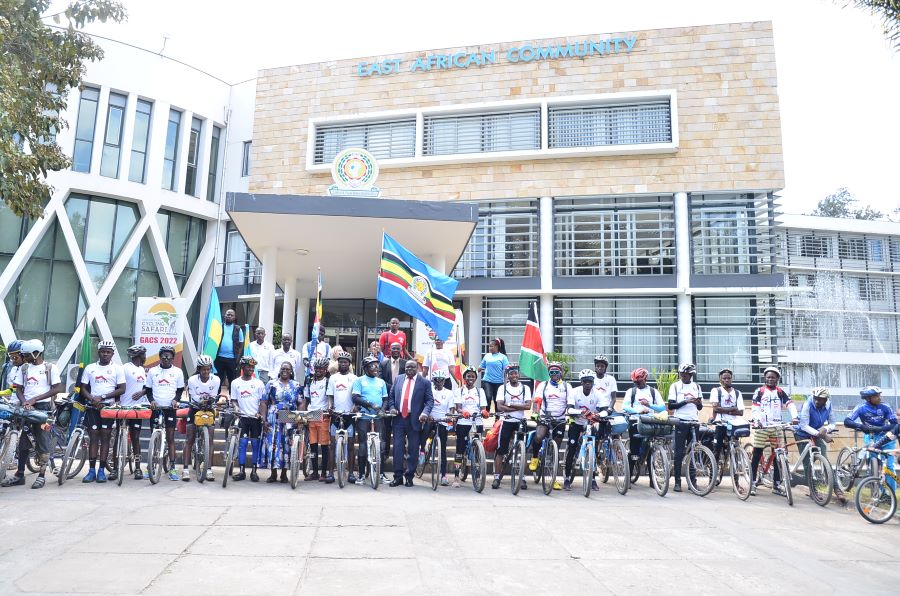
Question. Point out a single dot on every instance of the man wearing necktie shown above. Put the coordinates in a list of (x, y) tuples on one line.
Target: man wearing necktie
[(410, 401)]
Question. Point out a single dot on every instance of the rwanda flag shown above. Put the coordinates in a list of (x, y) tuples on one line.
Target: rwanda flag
[(407, 283), (212, 335)]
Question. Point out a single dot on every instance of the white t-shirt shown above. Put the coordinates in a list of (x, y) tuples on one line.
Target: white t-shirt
[(135, 377), (199, 391), (292, 356), (103, 379), (315, 394), (248, 394), (35, 379), (734, 399), (164, 382), (471, 401), (588, 401), (443, 401), (605, 388), (263, 354), (437, 360), (516, 396), (633, 396), (679, 392), (555, 399), (323, 350), (340, 388)]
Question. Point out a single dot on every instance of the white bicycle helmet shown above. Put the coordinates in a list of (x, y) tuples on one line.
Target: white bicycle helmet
[(587, 374), (204, 360), (106, 344)]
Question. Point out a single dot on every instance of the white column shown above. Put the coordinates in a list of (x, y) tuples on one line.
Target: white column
[(290, 309), (302, 321), (473, 333), (439, 262), (267, 288), (546, 242), (683, 275), (546, 322)]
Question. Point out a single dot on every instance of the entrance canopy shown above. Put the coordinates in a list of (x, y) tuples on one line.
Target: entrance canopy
[(295, 235)]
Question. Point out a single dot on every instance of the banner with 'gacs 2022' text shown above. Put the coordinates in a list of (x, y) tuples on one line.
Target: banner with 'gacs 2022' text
[(160, 322)]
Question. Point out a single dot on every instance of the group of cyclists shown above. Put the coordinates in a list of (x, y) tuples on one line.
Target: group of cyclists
[(267, 425)]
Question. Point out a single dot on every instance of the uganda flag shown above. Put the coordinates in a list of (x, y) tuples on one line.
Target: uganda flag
[(532, 360), (407, 283)]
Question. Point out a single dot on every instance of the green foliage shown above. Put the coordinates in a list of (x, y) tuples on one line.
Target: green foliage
[(276, 335), (565, 359), (39, 66), (798, 397), (889, 13), (840, 204), (664, 380)]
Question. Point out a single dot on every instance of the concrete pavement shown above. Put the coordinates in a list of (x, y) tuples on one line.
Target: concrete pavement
[(179, 538)]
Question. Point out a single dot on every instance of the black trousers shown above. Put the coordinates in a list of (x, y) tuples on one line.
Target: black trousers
[(405, 434), (226, 368)]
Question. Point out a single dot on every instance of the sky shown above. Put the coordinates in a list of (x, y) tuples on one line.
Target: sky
[(838, 78)]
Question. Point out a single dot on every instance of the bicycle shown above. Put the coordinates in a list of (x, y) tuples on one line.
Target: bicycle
[(232, 442), (373, 448), (157, 449), (698, 462), (612, 455), (548, 455), (58, 440), (516, 456), (875, 499), (655, 456), (432, 455), (473, 455), (300, 451), (854, 463), (76, 452), (736, 458), (820, 476), (341, 449), (780, 459), (201, 449), (586, 459), (122, 444)]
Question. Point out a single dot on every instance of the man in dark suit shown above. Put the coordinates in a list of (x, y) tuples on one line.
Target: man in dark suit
[(410, 400), (392, 368)]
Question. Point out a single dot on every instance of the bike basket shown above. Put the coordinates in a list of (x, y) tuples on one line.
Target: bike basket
[(618, 425), (204, 418), (648, 426), (284, 417), (314, 416), (739, 430)]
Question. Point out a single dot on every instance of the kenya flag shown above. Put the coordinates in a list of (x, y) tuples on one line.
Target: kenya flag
[(532, 361)]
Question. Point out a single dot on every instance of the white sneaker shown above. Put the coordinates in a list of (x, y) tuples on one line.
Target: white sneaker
[(209, 475), (384, 479), (185, 475), (361, 481)]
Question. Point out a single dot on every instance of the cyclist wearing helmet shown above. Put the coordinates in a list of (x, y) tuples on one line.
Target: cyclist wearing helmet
[(316, 398), (164, 386), (102, 383), (11, 366), (816, 421), (685, 399), (135, 377), (605, 385), (876, 420), (340, 400), (370, 395), (727, 404), (202, 390), (37, 383), (282, 393), (247, 396), (769, 403), (470, 400), (513, 400), (557, 399), (639, 399), (444, 404), (586, 401)]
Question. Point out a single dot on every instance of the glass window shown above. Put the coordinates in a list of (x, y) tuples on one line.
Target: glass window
[(212, 177), (140, 278), (101, 227), (614, 124), (815, 246), (170, 156), (240, 266), (98, 240), (505, 318), (245, 159), (478, 133), (731, 234), (735, 333), (112, 140), (505, 242), (193, 157), (385, 140), (184, 237), (84, 130), (137, 170)]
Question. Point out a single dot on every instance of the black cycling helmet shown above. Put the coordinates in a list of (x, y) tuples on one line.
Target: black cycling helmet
[(168, 349), (136, 350), (248, 360), (369, 360)]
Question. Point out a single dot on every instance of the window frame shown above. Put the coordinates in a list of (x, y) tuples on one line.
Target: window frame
[(146, 146), (117, 145), (89, 142)]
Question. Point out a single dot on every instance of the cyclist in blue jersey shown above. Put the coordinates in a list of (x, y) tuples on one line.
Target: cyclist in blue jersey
[(369, 394), (876, 420)]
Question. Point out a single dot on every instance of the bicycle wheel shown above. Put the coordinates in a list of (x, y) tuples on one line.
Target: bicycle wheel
[(121, 453), (637, 464), (478, 471), (434, 459), (604, 461), (340, 446), (420, 464), (231, 450), (587, 470), (660, 470), (8, 451), (845, 469), (548, 466), (517, 467), (154, 460), (306, 454), (295, 459), (81, 456), (766, 472), (701, 470), (821, 480), (739, 466), (32, 462), (464, 464), (374, 461), (69, 456), (785, 468), (720, 469), (619, 466), (201, 452), (875, 500)]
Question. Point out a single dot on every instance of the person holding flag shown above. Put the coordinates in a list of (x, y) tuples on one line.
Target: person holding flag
[(317, 346), (231, 344)]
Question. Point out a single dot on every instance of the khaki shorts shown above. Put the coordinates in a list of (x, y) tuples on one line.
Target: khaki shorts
[(319, 432), (762, 437)]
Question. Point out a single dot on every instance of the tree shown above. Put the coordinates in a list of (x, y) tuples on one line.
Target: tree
[(840, 204), (39, 65), (888, 11)]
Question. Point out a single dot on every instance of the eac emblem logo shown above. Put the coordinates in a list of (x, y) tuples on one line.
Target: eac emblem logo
[(354, 172)]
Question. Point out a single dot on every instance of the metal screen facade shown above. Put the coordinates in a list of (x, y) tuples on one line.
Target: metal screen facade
[(505, 318), (614, 236), (384, 140), (614, 124), (734, 332), (505, 242), (732, 233), (481, 133)]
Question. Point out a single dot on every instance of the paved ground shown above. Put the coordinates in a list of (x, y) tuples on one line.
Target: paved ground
[(177, 538)]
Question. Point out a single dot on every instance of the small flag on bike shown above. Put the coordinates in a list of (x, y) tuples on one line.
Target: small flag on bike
[(212, 335), (532, 360)]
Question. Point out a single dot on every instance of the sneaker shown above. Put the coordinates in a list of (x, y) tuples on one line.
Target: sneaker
[(351, 479), (113, 476), (556, 485), (254, 477), (17, 480), (209, 475), (444, 481), (185, 475), (329, 479), (384, 479), (594, 485), (361, 481), (753, 489), (312, 477), (173, 475), (677, 487), (101, 475), (456, 483), (138, 474), (533, 464), (91, 476), (524, 486), (323, 477), (778, 490), (496, 483), (239, 476), (567, 485), (38, 482), (421, 458)]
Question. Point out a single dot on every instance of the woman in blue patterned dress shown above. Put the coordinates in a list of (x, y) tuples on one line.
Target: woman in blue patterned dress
[(281, 394)]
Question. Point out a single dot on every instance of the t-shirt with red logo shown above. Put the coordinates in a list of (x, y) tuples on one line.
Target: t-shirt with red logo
[(555, 399), (389, 337), (164, 382), (135, 377), (469, 400), (36, 379), (315, 394), (102, 379), (248, 394), (679, 392), (340, 388)]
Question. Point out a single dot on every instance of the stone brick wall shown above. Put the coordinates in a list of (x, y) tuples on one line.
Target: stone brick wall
[(728, 116)]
